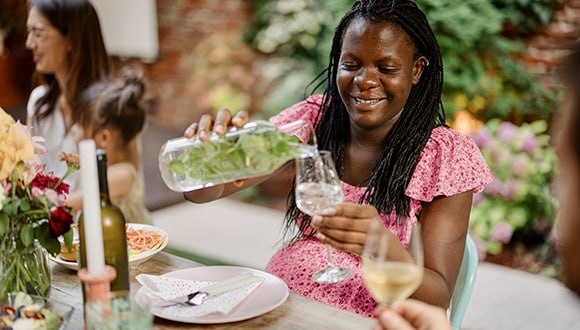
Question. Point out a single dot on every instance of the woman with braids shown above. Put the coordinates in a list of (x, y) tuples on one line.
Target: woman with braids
[(382, 119), (113, 113), (68, 50)]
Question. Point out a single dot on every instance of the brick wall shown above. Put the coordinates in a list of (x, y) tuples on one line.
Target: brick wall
[(547, 49), (201, 49)]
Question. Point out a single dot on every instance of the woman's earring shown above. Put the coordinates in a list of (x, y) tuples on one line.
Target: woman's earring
[(425, 62)]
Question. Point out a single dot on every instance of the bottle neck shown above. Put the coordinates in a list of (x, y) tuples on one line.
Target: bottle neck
[(102, 174)]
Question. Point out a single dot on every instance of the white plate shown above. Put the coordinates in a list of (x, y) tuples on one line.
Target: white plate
[(266, 297), (133, 259)]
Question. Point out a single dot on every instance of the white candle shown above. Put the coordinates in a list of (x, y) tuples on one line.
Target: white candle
[(91, 209)]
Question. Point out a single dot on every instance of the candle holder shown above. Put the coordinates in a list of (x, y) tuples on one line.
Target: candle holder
[(97, 288)]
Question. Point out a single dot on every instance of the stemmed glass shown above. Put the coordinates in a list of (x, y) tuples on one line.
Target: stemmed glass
[(391, 280), (317, 188)]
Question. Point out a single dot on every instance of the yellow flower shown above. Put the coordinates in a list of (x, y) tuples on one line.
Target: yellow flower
[(460, 100), (15, 144)]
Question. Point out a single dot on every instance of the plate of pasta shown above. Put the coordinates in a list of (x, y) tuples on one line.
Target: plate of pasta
[(143, 242)]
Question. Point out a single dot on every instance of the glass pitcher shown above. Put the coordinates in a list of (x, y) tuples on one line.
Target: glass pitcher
[(257, 149)]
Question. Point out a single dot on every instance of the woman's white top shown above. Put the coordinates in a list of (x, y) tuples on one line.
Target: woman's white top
[(57, 139)]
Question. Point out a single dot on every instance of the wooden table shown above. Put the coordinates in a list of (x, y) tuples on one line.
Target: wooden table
[(296, 312)]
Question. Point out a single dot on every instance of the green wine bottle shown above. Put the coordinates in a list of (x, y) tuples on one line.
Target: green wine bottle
[(114, 231)]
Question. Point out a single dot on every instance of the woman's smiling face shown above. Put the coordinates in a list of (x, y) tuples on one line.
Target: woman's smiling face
[(376, 72), (49, 48)]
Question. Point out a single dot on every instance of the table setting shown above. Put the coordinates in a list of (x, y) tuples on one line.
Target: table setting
[(106, 283), (266, 304)]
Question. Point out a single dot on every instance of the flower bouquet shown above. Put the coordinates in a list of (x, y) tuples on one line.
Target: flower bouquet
[(519, 205), (33, 211)]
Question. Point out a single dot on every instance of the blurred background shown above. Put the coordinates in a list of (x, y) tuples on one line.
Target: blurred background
[(500, 59)]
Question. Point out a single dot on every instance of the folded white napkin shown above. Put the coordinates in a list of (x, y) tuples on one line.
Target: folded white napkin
[(164, 288)]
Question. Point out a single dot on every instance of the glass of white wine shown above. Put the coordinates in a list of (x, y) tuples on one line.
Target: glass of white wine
[(391, 280), (317, 188)]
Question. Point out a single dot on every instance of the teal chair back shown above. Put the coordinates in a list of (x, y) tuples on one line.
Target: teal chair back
[(464, 284)]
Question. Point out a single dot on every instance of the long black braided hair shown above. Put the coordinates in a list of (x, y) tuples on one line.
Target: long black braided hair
[(423, 111)]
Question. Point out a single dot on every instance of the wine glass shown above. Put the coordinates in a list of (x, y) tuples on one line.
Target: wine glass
[(391, 280), (317, 188)]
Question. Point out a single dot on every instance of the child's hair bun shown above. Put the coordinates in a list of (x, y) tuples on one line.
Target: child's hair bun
[(133, 84)]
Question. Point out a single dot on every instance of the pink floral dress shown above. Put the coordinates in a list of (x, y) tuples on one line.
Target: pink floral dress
[(450, 164)]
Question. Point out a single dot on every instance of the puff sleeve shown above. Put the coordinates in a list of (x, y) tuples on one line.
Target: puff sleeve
[(451, 163), (307, 109)]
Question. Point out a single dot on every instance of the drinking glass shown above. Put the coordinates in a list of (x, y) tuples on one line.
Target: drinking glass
[(391, 280), (120, 312), (317, 188)]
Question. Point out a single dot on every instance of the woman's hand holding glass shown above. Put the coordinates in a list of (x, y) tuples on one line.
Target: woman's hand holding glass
[(389, 278)]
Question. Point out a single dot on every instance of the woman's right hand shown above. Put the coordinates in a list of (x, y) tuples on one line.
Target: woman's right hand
[(220, 125), (224, 120)]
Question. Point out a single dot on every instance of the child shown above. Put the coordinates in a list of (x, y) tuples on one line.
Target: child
[(113, 113)]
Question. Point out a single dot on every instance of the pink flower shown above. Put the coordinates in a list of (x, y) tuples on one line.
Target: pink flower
[(502, 233), (482, 137), (55, 198), (510, 189), (519, 165), (477, 198), (36, 192), (530, 143), (494, 188), (541, 226), (506, 132), (481, 253)]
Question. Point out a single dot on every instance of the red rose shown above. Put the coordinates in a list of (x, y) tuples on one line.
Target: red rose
[(43, 181), (59, 222)]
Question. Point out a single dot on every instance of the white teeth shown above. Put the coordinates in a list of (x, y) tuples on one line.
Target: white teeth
[(372, 101)]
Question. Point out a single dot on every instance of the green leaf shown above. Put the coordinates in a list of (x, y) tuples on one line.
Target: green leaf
[(24, 204), (11, 208), (68, 239), (42, 234), (4, 223), (27, 234)]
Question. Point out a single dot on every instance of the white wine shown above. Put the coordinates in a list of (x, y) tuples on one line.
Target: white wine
[(390, 282), (114, 232), (314, 197)]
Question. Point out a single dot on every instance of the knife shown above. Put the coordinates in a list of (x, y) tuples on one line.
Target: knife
[(236, 282)]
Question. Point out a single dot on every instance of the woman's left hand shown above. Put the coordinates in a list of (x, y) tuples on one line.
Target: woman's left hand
[(345, 226)]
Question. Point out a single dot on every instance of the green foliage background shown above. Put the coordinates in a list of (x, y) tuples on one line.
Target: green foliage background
[(481, 43)]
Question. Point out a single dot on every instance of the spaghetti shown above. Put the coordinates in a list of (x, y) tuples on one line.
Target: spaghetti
[(143, 240)]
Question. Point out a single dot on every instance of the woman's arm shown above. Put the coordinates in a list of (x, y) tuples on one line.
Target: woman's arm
[(444, 224)]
